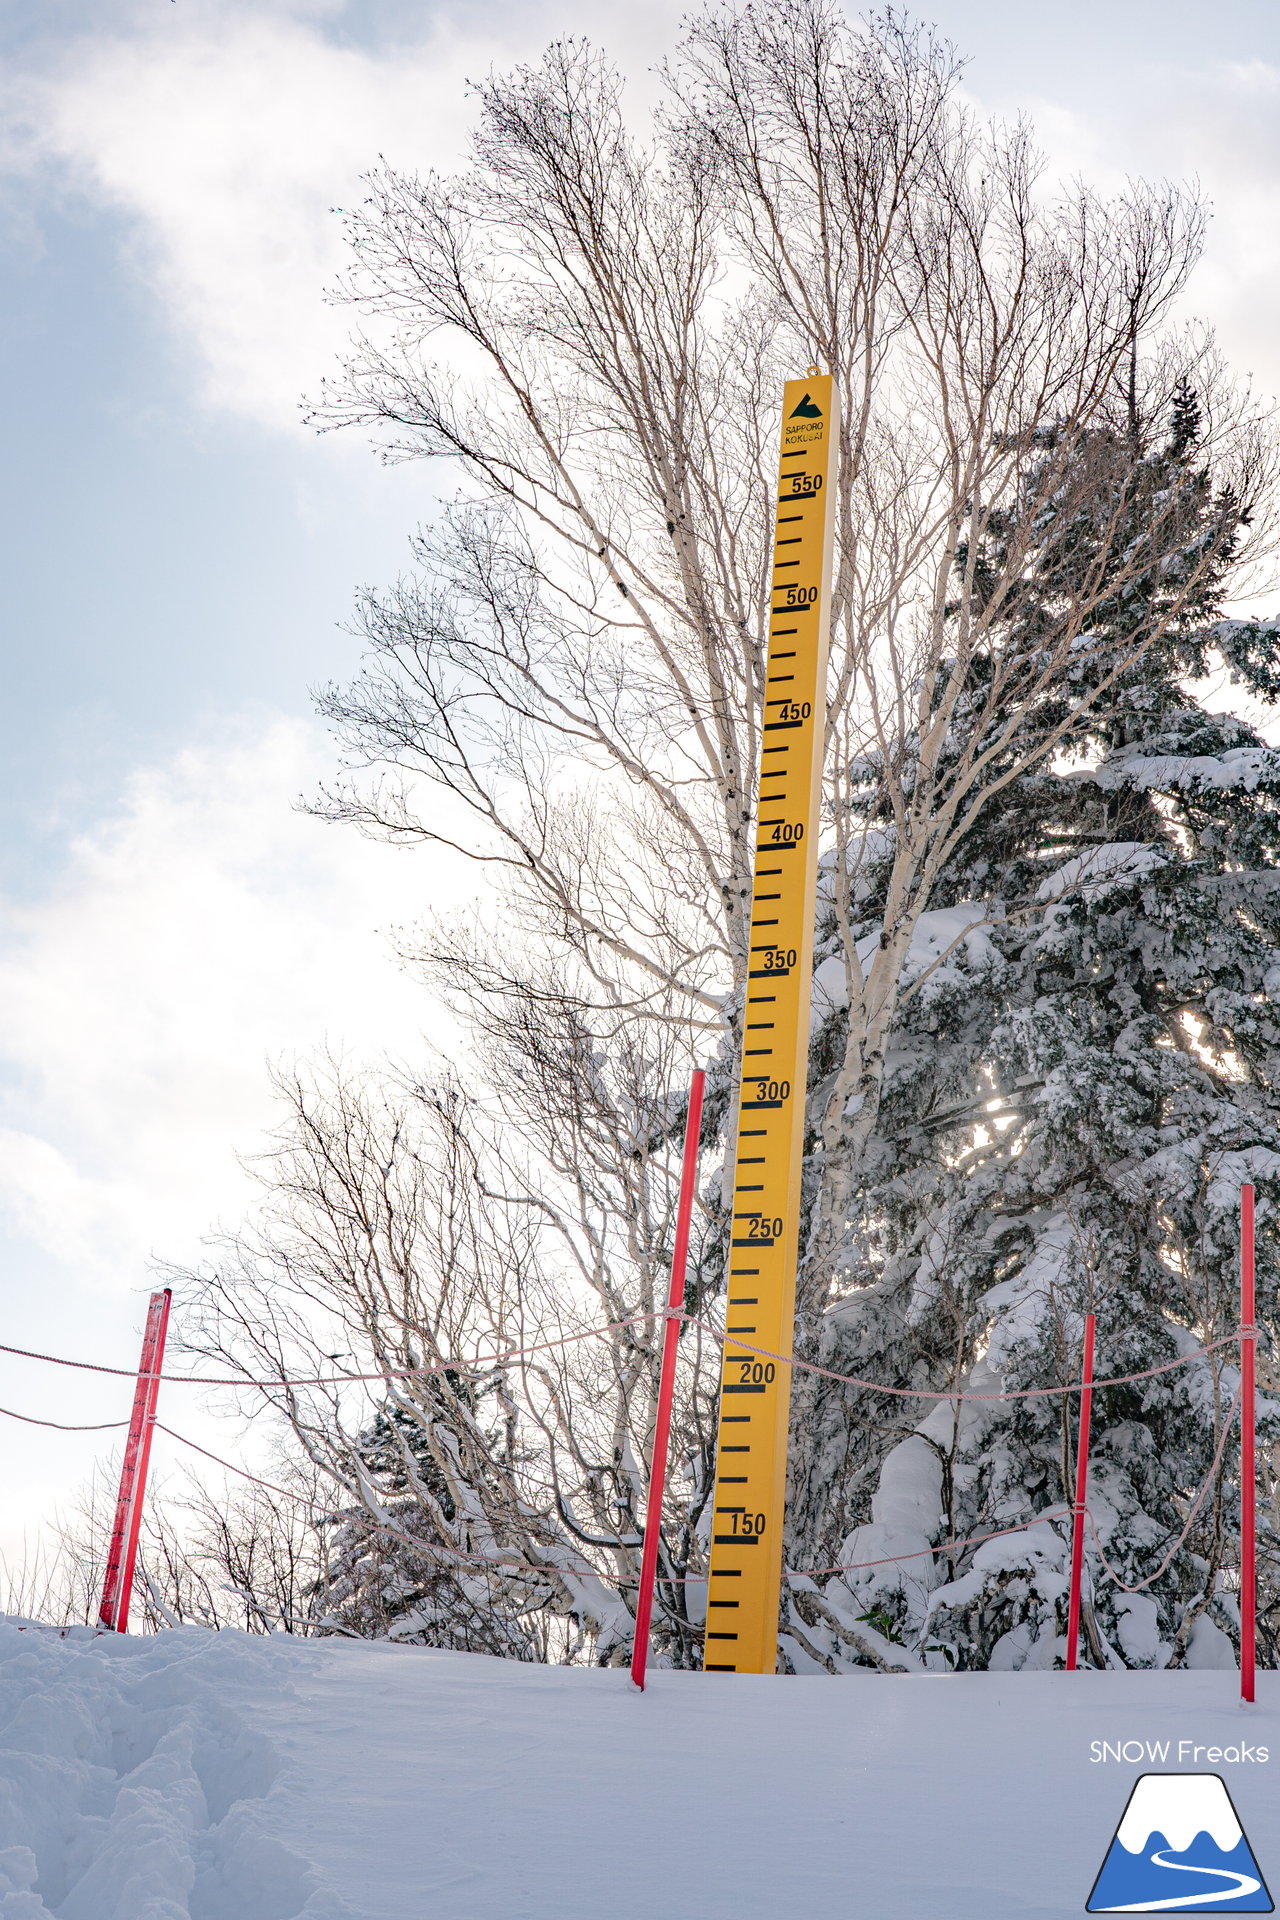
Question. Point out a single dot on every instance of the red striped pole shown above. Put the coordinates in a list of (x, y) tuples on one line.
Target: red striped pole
[(123, 1552), (1082, 1490), (667, 1384), (1248, 1469)]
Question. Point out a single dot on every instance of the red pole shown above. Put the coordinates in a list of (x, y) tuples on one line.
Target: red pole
[(667, 1384), (1248, 1470), (118, 1585), (1082, 1490)]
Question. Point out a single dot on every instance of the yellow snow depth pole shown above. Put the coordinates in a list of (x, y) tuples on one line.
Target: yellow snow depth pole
[(755, 1394)]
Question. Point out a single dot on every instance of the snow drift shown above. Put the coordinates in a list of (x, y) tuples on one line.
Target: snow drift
[(213, 1776)]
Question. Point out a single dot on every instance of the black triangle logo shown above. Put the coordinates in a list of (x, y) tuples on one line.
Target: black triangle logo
[(806, 410)]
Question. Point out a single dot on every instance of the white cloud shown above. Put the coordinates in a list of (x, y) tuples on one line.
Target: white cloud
[(203, 930), (230, 133), (1218, 126), (1228, 132), (230, 140), (201, 927)]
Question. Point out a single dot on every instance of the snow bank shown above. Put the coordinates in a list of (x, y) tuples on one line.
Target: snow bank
[(199, 1776), (131, 1790)]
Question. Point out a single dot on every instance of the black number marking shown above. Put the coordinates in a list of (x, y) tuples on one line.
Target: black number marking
[(774, 960), (761, 1227), (749, 1525)]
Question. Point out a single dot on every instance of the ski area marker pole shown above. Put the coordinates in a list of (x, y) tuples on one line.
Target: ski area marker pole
[(745, 1574), (1082, 1491), (117, 1587), (667, 1384), (1248, 1470)]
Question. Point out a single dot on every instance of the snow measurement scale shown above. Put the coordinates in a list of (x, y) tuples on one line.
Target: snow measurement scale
[(755, 1394)]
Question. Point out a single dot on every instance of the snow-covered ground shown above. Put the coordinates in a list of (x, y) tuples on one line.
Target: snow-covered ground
[(227, 1778)]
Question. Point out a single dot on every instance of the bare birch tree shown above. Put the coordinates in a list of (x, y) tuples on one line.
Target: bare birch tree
[(581, 664), (412, 1306), (594, 327)]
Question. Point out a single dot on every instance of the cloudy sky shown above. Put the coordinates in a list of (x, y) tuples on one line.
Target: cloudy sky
[(180, 555)]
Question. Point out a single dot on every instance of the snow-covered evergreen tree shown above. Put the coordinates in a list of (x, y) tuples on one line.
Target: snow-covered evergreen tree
[(571, 694), (1085, 1072), (415, 1574)]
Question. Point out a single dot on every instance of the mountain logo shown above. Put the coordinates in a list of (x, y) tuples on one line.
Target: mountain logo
[(1180, 1848), (806, 410)]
